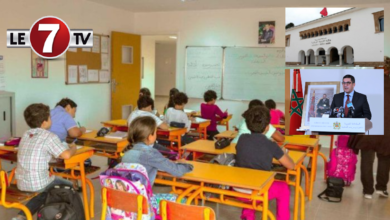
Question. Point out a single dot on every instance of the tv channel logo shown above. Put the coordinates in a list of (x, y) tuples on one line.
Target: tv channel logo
[(50, 37)]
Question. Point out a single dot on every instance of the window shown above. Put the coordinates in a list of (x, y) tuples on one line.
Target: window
[(346, 27), (320, 33), (341, 29), (325, 32), (330, 30), (381, 24), (335, 30), (322, 52)]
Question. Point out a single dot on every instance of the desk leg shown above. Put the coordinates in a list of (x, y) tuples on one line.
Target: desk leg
[(84, 185), (265, 205), (297, 185), (313, 170)]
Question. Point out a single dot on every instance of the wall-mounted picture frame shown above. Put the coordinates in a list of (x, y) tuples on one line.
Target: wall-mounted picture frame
[(39, 66), (266, 32)]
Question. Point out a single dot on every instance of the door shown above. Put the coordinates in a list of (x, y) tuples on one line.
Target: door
[(126, 71), (5, 119)]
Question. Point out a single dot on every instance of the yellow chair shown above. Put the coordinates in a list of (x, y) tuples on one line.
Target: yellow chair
[(176, 211), (125, 201), (15, 197)]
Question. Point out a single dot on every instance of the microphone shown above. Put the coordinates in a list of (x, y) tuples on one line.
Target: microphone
[(336, 111), (351, 109), (341, 111)]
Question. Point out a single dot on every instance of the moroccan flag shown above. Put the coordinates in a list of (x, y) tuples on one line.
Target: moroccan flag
[(324, 12), (296, 105), (312, 105)]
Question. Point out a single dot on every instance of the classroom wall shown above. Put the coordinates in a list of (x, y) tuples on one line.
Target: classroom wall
[(231, 27), (93, 99), (368, 82), (148, 51), (165, 68)]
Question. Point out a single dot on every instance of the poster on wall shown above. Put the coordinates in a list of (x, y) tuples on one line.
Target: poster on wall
[(39, 66), (266, 32)]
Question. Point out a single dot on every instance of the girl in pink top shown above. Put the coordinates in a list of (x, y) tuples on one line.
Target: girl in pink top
[(210, 110), (276, 114)]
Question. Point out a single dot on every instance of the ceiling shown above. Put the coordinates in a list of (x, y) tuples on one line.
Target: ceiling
[(181, 5)]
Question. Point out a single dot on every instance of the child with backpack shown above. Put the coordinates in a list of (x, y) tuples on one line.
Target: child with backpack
[(142, 133), (37, 147), (256, 151)]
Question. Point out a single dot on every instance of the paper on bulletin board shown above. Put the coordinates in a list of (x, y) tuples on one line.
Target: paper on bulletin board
[(96, 44), (72, 74), (83, 73), (2, 73), (105, 62), (72, 50), (93, 76), (86, 49), (104, 76), (104, 44)]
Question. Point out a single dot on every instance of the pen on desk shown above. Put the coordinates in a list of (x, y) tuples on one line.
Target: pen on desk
[(79, 124)]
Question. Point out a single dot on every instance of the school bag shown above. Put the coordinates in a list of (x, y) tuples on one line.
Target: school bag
[(342, 161), (132, 178), (62, 203), (334, 190)]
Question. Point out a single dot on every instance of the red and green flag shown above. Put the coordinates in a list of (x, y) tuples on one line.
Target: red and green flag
[(296, 105)]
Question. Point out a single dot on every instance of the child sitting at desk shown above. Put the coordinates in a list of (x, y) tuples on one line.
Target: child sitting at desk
[(210, 110), (177, 114), (243, 129), (146, 92), (170, 104), (37, 147), (142, 132), (145, 107), (256, 151), (276, 114)]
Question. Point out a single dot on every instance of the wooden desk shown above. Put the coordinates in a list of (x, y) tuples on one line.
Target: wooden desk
[(225, 121), (280, 126), (106, 147), (115, 124), (226, 134), (203, 173), (207, 147), (75, 162), (172, 135), (201, 125)]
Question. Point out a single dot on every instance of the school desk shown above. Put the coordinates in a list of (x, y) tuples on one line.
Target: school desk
[(207, 147), (76, 162), (201, 125), (106, 147), (223, 122), (280, 126), (226, 134), (116, 124), (206, 173)]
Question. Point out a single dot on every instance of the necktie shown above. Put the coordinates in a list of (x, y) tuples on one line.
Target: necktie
[(345, 107)]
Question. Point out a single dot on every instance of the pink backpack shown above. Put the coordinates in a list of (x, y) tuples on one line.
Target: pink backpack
[(342, 161)]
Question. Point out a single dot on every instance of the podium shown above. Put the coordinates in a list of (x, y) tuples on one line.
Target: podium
[(340, 125)]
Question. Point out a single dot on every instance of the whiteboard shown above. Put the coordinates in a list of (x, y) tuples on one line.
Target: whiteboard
[(203, 70), (254, 73)]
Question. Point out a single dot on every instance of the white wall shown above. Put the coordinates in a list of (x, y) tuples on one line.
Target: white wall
[(94, 99), (349, 55), (368, 82), (368, 45), (148, 48), (165, 68), (231, 27)]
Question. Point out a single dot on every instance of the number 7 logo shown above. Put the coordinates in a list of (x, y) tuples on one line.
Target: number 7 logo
[(48, 46)]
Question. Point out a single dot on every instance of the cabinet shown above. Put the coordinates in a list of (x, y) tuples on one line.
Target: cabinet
[(7, 115)]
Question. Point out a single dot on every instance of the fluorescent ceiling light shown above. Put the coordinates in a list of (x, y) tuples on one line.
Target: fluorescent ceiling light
[(173, 37)]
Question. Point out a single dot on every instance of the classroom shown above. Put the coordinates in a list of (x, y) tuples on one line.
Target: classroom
[(193, 46)]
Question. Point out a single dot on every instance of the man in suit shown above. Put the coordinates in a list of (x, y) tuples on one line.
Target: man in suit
[(267, 34), (359, 101), (322, 106)]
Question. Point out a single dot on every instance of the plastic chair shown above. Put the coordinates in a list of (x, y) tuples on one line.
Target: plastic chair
[(125, 201), (15, 202), (176, 211)]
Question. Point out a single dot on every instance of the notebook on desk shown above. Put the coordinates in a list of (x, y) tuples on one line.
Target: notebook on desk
[(117, 135)]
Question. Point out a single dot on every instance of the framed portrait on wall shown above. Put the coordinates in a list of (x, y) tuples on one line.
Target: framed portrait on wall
[(39, 66), (266, 32), (318, 99)]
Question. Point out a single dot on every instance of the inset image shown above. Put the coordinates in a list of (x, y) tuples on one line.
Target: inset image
[(334, 37)]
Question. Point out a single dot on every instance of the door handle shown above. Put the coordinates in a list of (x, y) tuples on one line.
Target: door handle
[(113, 85), (4, 115)]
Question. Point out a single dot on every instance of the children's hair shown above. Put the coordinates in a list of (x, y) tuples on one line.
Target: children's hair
[(65, 101), (144, 102), (144, 92), (36, 114), (140, 129), (254, 103), (209, 95), (180, 98), (257, 119), (172, 94), (270, 104)]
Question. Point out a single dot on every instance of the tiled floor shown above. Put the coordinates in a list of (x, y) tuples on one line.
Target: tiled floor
[(353, 206)]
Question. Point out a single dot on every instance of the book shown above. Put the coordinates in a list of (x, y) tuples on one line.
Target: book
[(117, 135)]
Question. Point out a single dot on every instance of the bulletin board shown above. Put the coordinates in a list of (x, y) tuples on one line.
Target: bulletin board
[(89, 65)]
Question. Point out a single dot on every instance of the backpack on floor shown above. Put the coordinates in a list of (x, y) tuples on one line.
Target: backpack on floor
[(62, 203), (129, 177), (342, 161)]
